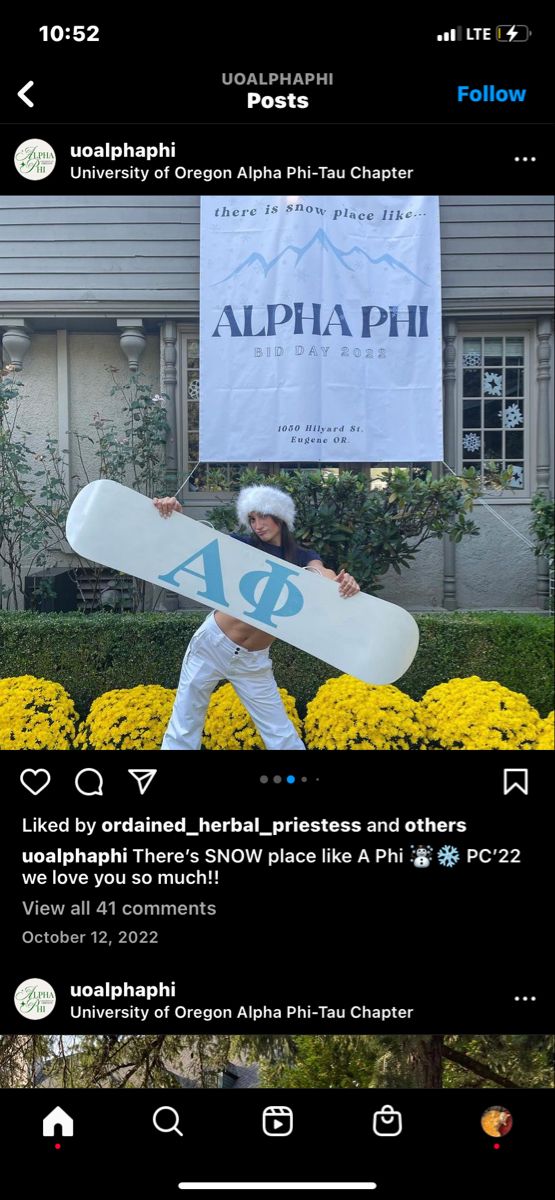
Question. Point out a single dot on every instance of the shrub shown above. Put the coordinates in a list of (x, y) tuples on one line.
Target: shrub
[(516, 649), (36, 714), (546, 735), (99, 652), (34, 492), (542, 526), (93, 654), (366, 529), (477, 714), (349, 715), (228, 725), (127, 719)]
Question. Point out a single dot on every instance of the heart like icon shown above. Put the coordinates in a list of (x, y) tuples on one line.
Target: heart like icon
[(33, 786)]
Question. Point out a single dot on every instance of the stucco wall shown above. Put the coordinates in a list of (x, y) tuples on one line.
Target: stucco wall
[(89, 392), (421, 584), (39, 399), (497, 569), (90, 383)]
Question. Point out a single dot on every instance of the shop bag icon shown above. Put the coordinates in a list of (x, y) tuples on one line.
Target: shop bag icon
[(387, 1122)]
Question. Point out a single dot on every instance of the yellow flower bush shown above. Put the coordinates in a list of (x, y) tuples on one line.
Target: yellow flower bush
[(546, 735), (127, 719), (228, 725), (347, 714), (477, 714), (36, 714)]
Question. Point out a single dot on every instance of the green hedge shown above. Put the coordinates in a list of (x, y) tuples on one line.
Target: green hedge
[(92, 654), (513, 648), (516, 649)]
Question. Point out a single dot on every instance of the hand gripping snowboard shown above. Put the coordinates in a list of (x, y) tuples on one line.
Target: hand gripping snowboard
[(363, 636)]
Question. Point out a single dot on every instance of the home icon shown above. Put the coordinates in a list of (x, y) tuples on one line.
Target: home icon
[(57, 1118)]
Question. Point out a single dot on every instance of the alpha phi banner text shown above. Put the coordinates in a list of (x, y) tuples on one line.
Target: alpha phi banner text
[(320, 329)]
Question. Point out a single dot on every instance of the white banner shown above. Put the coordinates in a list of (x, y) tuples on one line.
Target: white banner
[(320, 329)]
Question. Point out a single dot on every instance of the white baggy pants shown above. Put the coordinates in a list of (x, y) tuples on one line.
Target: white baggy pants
[(212, 656)]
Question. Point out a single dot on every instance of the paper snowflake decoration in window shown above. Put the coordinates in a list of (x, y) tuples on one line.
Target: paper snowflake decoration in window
[(193, 390), (493, 384), (471, 441), (517, 477), (513, 416), (472, 359)]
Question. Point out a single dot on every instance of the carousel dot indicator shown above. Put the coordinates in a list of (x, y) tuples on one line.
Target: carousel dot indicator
[(277, 778), (304, 779), (290, 779), (263, 778)]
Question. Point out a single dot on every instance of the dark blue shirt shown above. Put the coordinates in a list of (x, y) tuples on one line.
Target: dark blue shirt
[(302, 557)]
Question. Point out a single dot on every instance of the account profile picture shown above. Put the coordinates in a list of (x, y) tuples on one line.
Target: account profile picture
[(496, 1121), (35, 159), (34, 999)]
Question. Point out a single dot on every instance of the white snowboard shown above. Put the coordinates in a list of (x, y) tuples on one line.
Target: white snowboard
[(369, 638)]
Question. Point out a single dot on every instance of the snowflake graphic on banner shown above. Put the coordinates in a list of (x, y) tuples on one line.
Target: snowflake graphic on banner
[(513, 416), (493, 384), (517, 477), (471, 441), (472, 359)]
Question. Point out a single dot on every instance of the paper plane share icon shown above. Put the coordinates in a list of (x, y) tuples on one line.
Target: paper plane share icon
[(144, 778)]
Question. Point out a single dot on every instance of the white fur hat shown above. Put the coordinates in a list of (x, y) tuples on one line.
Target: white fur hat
[(269, 501)]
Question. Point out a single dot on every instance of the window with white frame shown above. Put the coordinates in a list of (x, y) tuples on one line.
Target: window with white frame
[(206, 477), (495, 407)]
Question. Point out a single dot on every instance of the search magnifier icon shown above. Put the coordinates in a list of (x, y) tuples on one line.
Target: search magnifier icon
[(174, 1127)]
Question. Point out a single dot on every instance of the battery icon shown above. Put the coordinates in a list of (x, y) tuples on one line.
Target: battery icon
[(512, 33)]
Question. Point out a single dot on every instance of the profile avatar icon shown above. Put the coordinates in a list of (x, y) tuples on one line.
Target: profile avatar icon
[(496, 1121)]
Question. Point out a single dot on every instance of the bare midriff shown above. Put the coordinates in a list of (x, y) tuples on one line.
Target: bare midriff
[(242, 634)]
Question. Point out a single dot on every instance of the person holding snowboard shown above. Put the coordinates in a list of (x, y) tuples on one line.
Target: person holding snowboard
[(225, 647)]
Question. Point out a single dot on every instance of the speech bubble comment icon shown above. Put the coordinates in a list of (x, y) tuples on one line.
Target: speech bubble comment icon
[(86, 786)]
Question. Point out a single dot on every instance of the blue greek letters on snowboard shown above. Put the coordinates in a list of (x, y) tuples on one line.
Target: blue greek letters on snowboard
[(212, 576), (264, 606)]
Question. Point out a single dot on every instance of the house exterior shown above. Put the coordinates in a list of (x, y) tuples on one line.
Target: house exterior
[(187, 1071), (237, 1075), (88, 283)]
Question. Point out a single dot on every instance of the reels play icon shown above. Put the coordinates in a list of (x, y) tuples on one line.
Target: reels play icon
[(277, 1120)]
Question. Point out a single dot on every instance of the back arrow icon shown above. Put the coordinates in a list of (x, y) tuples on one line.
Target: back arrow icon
[(23, 96)]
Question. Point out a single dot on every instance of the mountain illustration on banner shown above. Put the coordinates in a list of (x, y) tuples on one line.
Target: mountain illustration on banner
[(143, 777), (256, 259)]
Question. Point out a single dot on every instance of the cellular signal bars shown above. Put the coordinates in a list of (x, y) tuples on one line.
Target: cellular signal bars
[(452, 35)]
